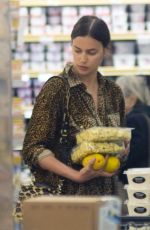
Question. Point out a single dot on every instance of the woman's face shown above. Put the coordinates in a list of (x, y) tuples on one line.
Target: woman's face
[(88, 54), (130, 102)]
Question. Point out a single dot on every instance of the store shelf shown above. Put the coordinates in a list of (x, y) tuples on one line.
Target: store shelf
[(32, 3), (66, 38), (126, 71), (47, 38), (106, 71)]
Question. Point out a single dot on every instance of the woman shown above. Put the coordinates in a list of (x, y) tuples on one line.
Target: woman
[(137, 101), (77, 99), (136, 93)]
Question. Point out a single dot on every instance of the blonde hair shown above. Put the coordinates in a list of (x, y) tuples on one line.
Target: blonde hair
[(134, 85)]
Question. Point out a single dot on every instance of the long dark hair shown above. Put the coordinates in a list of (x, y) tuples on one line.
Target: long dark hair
[(92, 26)]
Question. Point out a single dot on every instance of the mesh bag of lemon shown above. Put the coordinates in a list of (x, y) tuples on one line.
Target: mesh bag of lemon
[(97, 142)]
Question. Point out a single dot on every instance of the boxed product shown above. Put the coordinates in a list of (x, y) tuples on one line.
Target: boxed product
[(138, 209), (141, 194), (71, 213), (138, 177)]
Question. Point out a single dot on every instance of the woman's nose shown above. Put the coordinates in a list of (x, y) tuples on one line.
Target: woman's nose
[(83, 58)]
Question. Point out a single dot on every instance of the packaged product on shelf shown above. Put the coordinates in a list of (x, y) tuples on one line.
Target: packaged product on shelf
[(138, 209), (138, 177), (143, 60), (69, 17), (54, 15), (140, 194), (124, 54), (124, 60), (104, 12), (86, 10)]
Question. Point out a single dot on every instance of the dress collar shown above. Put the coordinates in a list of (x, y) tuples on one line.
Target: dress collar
[(73, 78)]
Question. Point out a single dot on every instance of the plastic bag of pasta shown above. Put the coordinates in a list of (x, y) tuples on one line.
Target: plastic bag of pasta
[(87, 148), (102, 134)]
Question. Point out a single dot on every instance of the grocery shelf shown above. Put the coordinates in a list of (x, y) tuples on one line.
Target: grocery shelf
[(66, 37), (126, 71), (46, 38), (106, 71), (32, 3)]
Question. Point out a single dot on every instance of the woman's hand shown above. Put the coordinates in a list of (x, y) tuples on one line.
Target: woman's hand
[(88, 173), (126, 150)]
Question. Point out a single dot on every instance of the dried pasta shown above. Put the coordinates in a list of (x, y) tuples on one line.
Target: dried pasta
[(87, 148), (102, 134)]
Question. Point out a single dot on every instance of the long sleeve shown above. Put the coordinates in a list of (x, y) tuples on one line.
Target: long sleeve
[(45, 121)]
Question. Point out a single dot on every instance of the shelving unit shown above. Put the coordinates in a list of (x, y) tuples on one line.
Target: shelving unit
[(66, 37), (33, 3), (45, 38), (106, 71)]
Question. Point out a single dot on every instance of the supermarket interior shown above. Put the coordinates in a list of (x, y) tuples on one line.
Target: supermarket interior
[(35, 44)]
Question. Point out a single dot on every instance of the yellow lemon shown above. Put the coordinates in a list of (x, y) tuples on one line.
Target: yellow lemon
[(113, 164), (99, 162)]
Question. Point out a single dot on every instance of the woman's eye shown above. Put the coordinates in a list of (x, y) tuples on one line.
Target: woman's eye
[(92, 52), (78, 51)]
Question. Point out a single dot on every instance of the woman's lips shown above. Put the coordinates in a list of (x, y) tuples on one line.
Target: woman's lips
[(82, 67)]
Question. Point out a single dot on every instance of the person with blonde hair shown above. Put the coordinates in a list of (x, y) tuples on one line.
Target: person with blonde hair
[(137, 106), (136, 93)]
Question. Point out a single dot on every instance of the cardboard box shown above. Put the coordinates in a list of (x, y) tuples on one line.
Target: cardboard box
[(71, 213)]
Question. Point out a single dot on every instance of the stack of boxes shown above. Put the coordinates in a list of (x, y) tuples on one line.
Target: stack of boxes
[(138, 191)]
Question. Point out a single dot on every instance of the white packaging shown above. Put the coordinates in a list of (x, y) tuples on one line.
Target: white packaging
[(37, 57), (138, 209), (38, 21), (137, 7), (86, 10), (36, 47), (37, 11), (138, 177), (148, 25), (119, 27), (122, 60), (37, 30), (143, 60), (140, 195), (137, 17), (137, 26)]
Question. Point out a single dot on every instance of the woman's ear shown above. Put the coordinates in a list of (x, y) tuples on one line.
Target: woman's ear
[(107, 52)]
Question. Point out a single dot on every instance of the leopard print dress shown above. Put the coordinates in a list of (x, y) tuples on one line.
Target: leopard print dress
[(62, 109)]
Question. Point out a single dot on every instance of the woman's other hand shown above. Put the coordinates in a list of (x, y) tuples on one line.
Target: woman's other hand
[(125, 152)]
